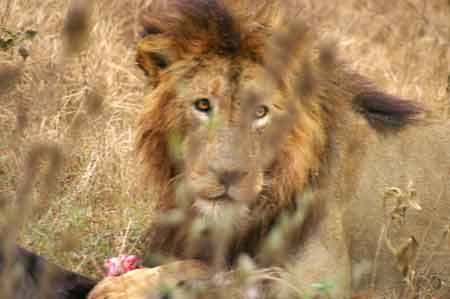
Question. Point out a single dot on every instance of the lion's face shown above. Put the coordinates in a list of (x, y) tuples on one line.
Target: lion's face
[(220, 127), (231, 117)]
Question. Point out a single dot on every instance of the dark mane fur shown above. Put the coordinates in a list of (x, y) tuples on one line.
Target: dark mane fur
[(203, 26), (384, 111)]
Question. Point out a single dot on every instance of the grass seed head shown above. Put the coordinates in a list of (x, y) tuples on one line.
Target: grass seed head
[(9, 77), (77, 26)]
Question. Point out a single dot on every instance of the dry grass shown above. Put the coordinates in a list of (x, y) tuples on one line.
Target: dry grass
[(86, 102), (95, 202)]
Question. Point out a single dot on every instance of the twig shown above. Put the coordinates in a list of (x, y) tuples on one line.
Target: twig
[(125, 237), (377, 255)]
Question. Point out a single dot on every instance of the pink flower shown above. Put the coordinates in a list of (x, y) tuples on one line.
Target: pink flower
[(116, 266), (130, 262), (112, 266)]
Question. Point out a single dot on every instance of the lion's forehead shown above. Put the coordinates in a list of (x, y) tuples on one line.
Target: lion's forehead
[(211, 79), (225, 79)]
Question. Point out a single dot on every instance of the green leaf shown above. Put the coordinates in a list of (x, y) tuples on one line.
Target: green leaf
[(30, 34), (176, 145), (6, 44), (323, 287), (3, 44)]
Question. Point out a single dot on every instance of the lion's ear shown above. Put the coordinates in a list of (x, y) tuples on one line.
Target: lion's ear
[(384, 111), (154, 54)]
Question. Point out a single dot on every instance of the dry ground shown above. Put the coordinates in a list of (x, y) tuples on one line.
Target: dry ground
[(95, 209)]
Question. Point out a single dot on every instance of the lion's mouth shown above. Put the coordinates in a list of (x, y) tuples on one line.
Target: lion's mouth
[(218, 195), (223, 197), (220, 208)]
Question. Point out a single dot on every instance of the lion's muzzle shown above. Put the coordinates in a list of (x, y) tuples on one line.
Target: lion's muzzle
[(224, 169)]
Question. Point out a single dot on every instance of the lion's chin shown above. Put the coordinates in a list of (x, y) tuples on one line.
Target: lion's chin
[(221, 210)]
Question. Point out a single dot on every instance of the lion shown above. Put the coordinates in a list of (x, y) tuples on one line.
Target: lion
[(278, 153)]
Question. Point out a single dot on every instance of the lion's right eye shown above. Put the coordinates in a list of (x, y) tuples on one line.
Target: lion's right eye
[(203, 105), (261, 111)]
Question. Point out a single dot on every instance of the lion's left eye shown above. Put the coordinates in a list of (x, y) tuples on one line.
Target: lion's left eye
[(203, 105), (261, 111)]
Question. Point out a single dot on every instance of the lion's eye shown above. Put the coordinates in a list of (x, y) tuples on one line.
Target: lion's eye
[(203, 105), (261, 111)]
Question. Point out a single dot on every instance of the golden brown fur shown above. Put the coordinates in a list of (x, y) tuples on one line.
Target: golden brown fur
[(327, 130)]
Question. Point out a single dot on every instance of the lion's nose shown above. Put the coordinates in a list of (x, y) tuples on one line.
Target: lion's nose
[(228, 178)]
